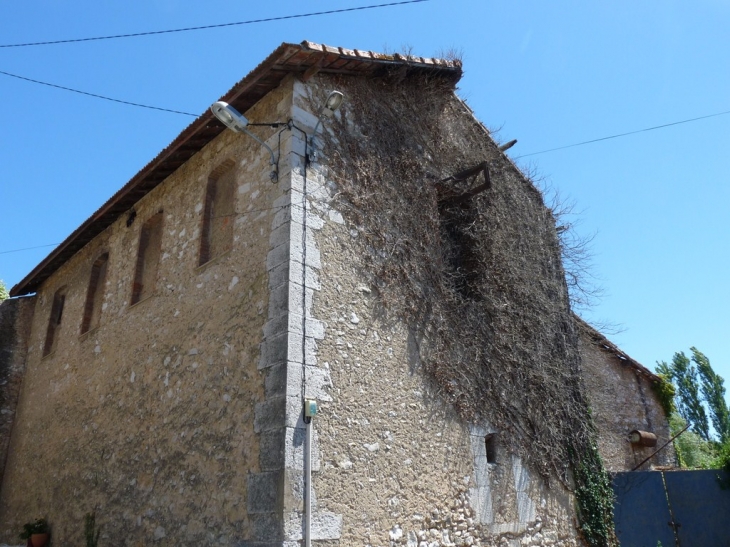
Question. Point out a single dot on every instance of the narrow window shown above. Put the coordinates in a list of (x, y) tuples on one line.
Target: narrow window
[(95, 294), (148, 258), (459, 216), (490, 443), (219, 212), (54, 321), (460, 244)]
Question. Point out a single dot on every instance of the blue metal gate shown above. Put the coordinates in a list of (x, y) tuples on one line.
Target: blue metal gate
[(673, 508)]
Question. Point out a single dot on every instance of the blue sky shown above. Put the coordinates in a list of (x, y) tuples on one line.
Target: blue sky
[(547, 74)]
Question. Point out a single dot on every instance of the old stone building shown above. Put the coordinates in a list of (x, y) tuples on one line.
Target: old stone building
[(385, 264), (622, 395)]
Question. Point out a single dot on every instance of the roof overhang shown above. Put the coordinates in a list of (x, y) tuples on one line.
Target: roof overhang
[(304, 60), (604, 344)]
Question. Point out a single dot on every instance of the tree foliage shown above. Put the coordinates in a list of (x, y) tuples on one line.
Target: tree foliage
[(713, 392), (700, 392), (3, 291), (692, 451), (683, 374)]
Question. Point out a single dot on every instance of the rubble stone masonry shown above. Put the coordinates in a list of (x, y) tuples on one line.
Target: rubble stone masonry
[(148, 419), (395, 465), (622, 400), (15, 318), (178, 419)]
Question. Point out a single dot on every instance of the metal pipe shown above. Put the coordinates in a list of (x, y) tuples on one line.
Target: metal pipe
[(308, 486), (275, 172), (262, 143)]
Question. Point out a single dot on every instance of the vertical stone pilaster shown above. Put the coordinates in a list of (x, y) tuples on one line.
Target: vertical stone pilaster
[(289, 352)]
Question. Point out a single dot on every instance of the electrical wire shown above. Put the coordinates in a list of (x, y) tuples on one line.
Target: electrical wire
[(112, 99), (27, 248), (129, 103), (624, 134), (517, 157), (206, 27)]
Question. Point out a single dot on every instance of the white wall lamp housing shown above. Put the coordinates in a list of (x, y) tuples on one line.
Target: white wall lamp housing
[(333, 102), (237, 122)]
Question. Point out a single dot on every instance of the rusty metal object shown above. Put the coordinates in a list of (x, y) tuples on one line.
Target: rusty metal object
[(650, 456), (642, 438)]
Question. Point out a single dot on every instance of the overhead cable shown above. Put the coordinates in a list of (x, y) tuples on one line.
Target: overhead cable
[(28, 248), (206, 27), (624, 134), (97, 96)]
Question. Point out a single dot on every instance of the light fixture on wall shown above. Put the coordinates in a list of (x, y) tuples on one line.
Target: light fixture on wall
[(333, 102), (237, 122)]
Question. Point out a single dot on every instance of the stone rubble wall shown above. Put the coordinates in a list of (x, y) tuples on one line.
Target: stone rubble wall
[(15, 320), (149, 419), (179, 419), (622, 400), (395, 465)]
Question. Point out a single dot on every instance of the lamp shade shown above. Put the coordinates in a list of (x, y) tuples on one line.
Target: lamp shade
[(229, 116)]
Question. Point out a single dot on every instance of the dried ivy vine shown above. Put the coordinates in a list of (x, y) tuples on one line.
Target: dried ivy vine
[(479, 280)]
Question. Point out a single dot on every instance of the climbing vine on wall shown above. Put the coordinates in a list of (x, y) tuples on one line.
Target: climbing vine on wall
[(471, 263), (664, 390), (594, 497)]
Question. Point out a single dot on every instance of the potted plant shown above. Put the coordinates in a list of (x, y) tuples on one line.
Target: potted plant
[(36, 533)]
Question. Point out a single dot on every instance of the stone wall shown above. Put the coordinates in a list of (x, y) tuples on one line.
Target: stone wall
[(148, 419), (178, 420), (393, 464), (622, 400), (15, 320)]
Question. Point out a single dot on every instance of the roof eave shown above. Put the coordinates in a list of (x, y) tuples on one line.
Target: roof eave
[(286, 59), (606, 345)]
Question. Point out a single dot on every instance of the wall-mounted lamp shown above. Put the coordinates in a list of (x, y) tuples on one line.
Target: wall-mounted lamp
[(333, 102), (229, 116), (236, 122)]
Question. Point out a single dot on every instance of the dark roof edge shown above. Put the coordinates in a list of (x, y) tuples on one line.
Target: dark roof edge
[(31, 282), (606, 345), (286, 59)]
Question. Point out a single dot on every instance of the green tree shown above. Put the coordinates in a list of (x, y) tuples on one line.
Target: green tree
[(699, 390), (689, 400), (3, 291), (692, 451), (713, 392)]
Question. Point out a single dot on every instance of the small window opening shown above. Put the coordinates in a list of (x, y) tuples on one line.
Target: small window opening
[(95, 294), (148, 258), (490, 443), (219, 213), (54, 321)]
